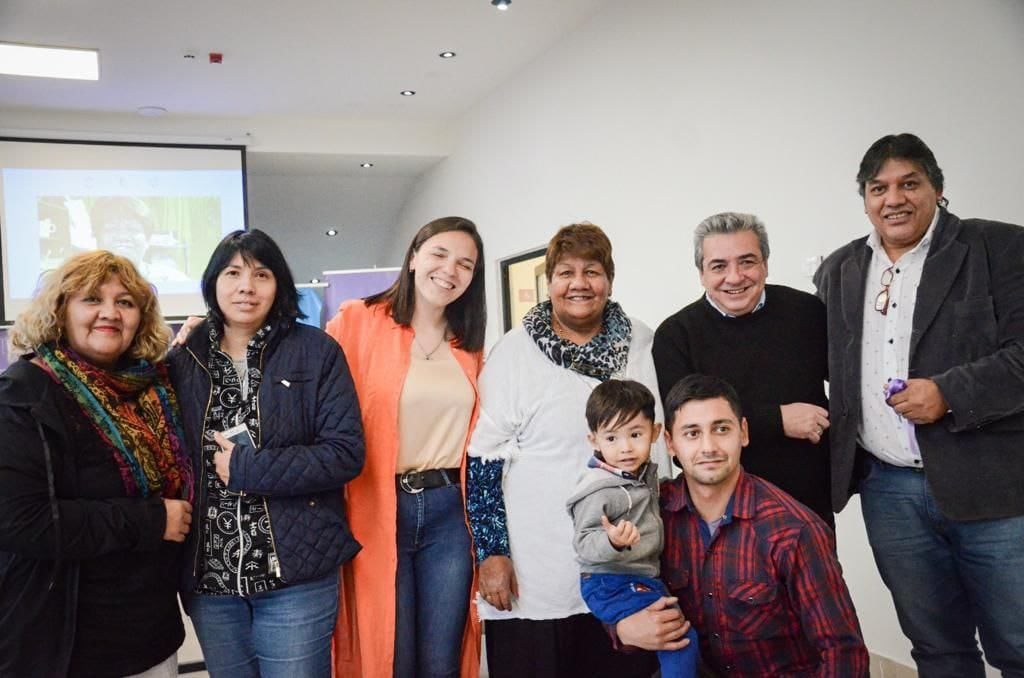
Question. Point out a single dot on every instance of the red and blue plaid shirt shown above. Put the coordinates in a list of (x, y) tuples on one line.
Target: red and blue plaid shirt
[(766, 593)]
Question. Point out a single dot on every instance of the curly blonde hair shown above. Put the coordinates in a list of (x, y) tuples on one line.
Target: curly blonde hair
[(44, 319)]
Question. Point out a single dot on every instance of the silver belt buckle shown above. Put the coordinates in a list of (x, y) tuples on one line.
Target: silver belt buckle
[(403, 482)]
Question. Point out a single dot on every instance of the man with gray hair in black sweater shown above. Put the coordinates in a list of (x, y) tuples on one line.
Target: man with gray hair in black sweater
[(770, 343)]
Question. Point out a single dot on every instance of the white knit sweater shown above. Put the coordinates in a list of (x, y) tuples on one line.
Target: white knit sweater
[(532, 416)]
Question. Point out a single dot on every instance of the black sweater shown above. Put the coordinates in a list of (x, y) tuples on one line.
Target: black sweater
[(772, 357)]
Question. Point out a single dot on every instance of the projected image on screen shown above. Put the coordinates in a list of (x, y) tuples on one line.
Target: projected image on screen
[(163, 207), (168, 239)]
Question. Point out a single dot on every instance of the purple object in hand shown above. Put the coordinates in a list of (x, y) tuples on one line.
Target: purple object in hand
[(894, 386)]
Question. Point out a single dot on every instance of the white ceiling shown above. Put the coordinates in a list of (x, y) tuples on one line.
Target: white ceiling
[(311, 86), (309, 58), (329, 164)]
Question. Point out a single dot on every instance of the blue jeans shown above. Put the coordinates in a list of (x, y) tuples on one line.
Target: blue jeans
[(435, 573), (948, 578), (613, 597), (285, 633)]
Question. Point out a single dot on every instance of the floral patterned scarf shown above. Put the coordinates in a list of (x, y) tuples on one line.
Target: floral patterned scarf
[(602, 357), (135, 411)]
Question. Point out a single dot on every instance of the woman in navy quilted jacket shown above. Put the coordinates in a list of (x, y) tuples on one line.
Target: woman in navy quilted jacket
[(273, 426)]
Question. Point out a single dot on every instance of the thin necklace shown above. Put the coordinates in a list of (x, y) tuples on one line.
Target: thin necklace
[(426, 353)]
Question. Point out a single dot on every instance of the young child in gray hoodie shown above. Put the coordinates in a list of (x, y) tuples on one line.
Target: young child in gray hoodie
[(617, 519)]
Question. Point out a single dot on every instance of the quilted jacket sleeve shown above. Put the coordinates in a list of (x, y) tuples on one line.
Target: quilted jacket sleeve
[(296, 461)]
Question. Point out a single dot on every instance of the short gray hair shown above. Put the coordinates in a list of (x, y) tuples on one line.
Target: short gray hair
[(728, 222)]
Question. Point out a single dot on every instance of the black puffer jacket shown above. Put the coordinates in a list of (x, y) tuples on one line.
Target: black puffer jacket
[(312, 444), (52, 526)]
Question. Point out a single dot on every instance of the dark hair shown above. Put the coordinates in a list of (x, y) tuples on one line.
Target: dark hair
[(904, 146), (584, 240), (467, 315), (699, 387), (254, 246), (616, 401)]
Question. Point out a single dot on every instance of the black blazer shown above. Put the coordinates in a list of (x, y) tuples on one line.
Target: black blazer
[(968, 336)]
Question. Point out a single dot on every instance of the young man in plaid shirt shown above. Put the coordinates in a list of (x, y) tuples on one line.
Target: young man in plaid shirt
[(753, 569)]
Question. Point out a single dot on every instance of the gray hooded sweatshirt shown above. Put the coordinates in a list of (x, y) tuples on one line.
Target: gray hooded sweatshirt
[(599, 493)]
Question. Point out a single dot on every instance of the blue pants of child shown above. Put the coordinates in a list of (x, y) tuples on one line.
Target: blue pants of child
[(613, 597)]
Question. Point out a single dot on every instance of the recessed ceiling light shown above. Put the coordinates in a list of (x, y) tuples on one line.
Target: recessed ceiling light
[(366, 165), (49, 62), (151, 111), (447, 55), (332, 232), (408, 93), (501, 4), (314, 280)]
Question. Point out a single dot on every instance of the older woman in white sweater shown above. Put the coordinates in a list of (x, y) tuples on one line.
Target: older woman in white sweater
[(526, 455)]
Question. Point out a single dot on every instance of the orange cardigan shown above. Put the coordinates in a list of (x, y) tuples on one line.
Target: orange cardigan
[(378, 354)]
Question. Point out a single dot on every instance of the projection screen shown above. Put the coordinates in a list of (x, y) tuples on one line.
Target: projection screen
[(163, 206)]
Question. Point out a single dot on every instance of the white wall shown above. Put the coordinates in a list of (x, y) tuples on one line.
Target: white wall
[(297, 210), (657, 113)]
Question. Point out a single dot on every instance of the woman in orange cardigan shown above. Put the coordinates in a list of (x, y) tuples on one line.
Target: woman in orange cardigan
[(414, 351)]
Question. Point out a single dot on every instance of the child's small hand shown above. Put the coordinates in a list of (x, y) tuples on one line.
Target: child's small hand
[(622, 535)]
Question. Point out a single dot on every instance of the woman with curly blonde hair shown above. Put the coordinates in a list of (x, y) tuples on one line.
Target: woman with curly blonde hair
[(95, 484)]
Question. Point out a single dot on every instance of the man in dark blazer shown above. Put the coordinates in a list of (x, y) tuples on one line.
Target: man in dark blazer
[(938, 304)]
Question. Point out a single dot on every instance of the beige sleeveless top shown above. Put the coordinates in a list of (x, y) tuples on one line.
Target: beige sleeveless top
[(433, 412)]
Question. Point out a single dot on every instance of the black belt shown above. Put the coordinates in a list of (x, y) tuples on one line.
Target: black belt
[(417, 481), (875, 460)]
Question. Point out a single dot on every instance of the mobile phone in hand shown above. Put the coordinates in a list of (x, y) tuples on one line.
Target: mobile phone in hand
[(239, 435)]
